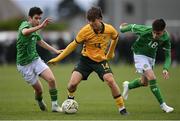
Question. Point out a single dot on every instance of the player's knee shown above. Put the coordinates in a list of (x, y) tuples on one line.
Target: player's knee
[(107, 76), (51, 81), (151, 78), (145, 84), (110, 82), (109, 79)]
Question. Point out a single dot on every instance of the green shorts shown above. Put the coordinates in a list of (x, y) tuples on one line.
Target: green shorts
[(86, 66)]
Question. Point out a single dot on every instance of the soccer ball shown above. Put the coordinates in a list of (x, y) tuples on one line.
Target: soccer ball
[(69, 106)]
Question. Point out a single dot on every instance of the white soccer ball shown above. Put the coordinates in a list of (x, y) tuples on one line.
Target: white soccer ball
[(70, 106)]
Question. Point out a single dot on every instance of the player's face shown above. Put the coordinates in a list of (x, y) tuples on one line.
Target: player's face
[(157, 34), (96, 25), (35, 20)]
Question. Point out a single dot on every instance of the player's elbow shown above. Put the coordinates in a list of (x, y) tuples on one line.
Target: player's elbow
[(25, 32)]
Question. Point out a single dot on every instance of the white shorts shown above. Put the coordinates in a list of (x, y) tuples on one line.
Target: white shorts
[(143, 63), (31, 71)]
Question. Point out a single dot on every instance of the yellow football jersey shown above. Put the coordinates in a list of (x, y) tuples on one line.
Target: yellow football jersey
[(95, 44)]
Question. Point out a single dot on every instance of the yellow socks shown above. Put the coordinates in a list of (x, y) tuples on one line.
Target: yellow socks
[(119, 102)]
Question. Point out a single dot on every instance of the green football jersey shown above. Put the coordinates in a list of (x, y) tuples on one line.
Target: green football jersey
[(26, 45), (146, 45)]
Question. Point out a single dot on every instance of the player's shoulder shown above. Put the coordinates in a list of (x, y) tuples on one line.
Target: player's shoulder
[(24, 24), (142, 29), (109, 27), (84, 29), (166, 36)]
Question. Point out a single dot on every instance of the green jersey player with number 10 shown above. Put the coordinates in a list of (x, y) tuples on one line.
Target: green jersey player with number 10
[(144, 49)]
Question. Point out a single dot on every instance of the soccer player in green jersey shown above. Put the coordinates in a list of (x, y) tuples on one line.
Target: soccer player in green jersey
[(144, 49), (29, 64)]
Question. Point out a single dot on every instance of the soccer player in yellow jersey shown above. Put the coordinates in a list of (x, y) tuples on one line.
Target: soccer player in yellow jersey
[(95, 37)]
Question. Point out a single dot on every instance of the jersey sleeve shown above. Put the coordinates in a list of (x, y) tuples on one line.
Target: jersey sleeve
[(167, 49), (80, 36), (138, 29), (114, 34), (24, 25)]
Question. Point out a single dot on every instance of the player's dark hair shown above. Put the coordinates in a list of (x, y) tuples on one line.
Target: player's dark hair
[(158, 25), (35, 10), (94, 13)]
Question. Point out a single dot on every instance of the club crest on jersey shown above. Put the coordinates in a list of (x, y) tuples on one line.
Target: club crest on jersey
[(145, 66)]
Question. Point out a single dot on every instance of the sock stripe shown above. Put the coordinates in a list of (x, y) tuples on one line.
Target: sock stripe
[(115, 97), (53, 94)]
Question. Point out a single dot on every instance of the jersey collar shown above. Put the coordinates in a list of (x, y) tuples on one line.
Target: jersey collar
[(102, 30)]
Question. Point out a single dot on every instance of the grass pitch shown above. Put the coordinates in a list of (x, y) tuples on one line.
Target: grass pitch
[(93, 96)]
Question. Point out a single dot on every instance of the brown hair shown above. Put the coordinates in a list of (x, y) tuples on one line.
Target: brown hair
[(158, 25), (35, 10), (94, 13)]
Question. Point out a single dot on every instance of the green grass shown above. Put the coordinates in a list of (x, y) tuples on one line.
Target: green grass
[(93, 96)]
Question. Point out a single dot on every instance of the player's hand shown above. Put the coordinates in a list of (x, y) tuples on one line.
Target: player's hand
[(59, 51), (165, 74), (45, 22), (122, 25), (52, 61)]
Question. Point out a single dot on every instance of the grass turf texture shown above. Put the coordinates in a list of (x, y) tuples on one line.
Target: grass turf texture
[(93, 96)]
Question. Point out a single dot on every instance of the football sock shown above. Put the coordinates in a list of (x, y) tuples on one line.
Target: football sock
[(119, 101), (38, 97), (70, 95), (135, 83), (156, 91), (53, 94)]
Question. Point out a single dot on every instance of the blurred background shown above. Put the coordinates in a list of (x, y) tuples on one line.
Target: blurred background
[(69, 16)]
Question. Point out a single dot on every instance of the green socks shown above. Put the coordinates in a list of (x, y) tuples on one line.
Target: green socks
[(134, 84), (38, 98), (156, 91), (53, 94), (153, 86)]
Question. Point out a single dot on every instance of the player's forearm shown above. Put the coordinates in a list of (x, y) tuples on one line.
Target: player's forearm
[(112, 48), (71, 47), (27, 31), (167, 60), (46, 46)]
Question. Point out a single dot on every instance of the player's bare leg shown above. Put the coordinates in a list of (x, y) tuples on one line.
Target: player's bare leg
[(49, 77), (38, 95), (76, 78), (133, 84), (109, 79), (156, 91)]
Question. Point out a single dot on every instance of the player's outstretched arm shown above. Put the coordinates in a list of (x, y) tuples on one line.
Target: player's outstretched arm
[(71, 47), (27, 31), (167, 64), (46, 46), (111, 50)]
